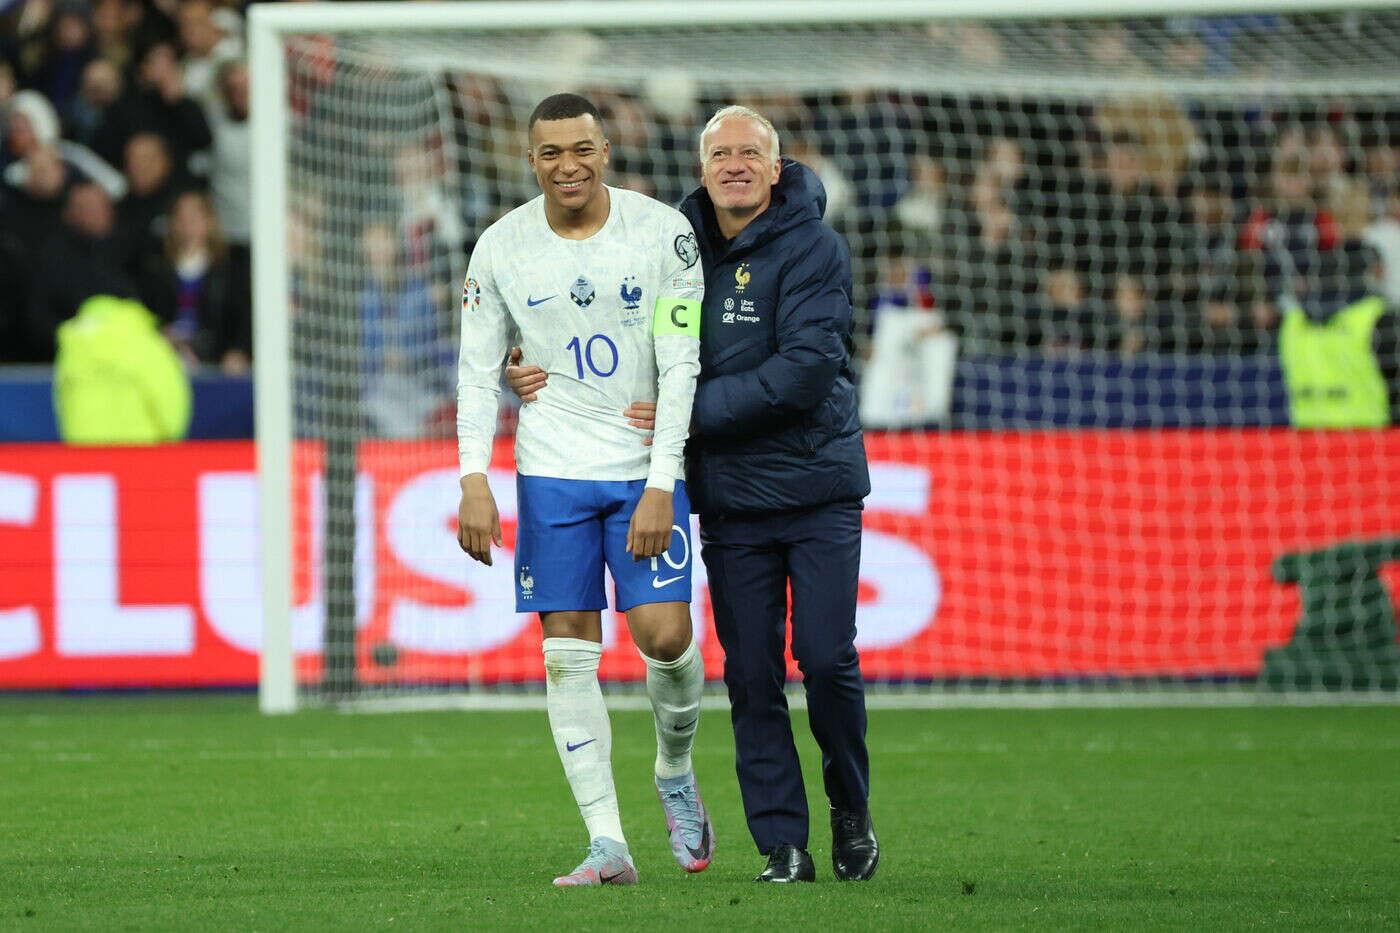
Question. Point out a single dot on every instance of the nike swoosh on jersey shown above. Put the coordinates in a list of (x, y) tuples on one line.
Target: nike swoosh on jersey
[(573, 748), (532, 301), (658, 583)]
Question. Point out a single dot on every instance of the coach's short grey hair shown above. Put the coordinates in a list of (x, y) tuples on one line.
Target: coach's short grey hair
[(738, 110)]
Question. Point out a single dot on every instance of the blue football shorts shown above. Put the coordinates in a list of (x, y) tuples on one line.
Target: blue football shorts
[(569, 528)]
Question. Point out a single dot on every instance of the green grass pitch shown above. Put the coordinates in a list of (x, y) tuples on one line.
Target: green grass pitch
[(193, 812)]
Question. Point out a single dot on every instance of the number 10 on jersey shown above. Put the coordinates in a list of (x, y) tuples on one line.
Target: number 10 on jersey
[(598, 352)]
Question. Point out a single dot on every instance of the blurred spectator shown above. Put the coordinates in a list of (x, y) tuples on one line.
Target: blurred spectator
[(1165, 135), (1340, 349), (55, 63), (1383, 235), (306, 249), (209, 36), (32, 124), (31, 212), (114, 24), (79, 260), (480, 101), (1137, 326), (1063, 318), (1290, 215), (629, 129), (1112, 47), (840, 193), (427, 217), (230, 178), (406, 356), (150, 191), (9, 82), (993, 194), (116, 380), (1127, 222), (984, 255), (908, 379), (1203, 288), (201, 289), (1382, 163), (156, 102), (34, 195), (1327, 163), (921, 209), (101, 88)]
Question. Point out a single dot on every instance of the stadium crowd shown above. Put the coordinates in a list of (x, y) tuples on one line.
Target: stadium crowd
[(1019, 223), (125, 164)]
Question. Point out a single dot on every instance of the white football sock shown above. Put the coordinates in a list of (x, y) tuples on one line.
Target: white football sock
[(582, 734), (674, 688)]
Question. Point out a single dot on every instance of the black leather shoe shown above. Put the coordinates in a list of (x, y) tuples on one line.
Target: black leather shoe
[(788, 863), (854, 850)]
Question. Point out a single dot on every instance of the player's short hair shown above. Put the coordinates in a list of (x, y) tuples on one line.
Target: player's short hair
[(564, 107), (738, 110)]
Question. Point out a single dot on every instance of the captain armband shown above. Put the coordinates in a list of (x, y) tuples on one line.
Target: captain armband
[(680, 316)]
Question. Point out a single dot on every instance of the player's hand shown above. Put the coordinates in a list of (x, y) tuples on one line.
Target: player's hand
[(478, 522), (649, 533), (524, 381), (642, 415)]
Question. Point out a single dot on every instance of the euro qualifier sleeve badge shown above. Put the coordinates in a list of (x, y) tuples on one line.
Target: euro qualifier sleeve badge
[(679, 316)]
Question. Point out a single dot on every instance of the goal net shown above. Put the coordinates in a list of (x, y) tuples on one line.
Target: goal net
[(1121, 363)]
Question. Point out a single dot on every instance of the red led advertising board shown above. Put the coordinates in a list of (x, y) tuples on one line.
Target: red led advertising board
[(1043, 554)]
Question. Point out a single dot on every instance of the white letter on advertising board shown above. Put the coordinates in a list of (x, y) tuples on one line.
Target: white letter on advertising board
[(88, 612)]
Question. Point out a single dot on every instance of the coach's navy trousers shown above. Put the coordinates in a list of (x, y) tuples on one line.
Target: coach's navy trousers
[(751, 563)]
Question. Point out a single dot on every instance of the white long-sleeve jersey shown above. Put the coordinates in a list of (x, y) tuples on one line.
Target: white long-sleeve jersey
[(613, 319)]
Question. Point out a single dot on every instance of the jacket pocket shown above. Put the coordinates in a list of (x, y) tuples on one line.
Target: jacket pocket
[(734, 350)]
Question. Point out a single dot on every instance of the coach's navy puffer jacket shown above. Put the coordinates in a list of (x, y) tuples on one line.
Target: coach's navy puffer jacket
[(775, 421)]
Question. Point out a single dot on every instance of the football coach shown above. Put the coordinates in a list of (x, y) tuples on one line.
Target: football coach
[(776, 470)]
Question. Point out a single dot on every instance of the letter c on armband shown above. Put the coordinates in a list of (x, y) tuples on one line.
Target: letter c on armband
[(679, 316)]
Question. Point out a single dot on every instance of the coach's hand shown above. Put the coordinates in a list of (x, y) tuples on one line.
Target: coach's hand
[(478, 522), (524, 381), (649, 534), (642, 415)]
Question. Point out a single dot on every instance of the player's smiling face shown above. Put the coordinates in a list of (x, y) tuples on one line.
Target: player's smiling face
[(738, 168), (569, 157)]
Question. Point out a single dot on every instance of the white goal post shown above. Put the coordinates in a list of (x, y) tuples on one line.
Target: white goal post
[(418, 68)]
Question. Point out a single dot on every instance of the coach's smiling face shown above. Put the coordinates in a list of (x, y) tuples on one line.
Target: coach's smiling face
[(569, 158), (739, 166)]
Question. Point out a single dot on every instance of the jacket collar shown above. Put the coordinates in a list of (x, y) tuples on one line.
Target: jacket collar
[(798, 198)]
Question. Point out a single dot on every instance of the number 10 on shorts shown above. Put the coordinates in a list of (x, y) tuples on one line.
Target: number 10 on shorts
[(666, 554)]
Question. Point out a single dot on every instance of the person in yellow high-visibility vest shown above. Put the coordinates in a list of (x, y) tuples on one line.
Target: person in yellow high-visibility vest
[(1339, 354), (117, 380)]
